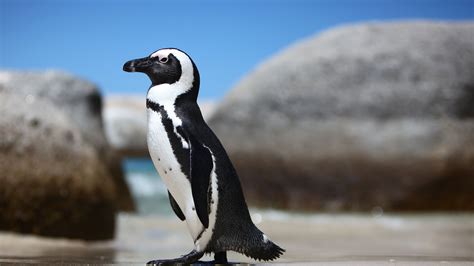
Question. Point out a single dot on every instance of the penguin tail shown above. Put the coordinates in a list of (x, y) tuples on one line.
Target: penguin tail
[(262, 248)]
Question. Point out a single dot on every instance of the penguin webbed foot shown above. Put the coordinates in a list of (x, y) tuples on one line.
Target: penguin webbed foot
[(195, 263), (189, 258), (164, 262)]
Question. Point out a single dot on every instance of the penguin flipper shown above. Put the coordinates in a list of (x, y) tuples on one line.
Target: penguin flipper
[(201, 167), (175, 207)]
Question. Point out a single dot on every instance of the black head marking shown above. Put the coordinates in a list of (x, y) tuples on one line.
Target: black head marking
[(160, 70), (169, 66), (165, 70)]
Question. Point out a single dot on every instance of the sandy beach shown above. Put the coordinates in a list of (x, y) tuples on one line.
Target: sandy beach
[(323, 239)]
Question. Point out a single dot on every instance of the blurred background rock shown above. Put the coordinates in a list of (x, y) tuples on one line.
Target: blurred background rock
[(378, 114), (57, 168)]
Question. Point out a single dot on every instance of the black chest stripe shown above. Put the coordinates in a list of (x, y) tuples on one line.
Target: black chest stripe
[(154, 106)]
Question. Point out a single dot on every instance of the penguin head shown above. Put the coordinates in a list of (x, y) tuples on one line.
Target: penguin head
[(169, 66)]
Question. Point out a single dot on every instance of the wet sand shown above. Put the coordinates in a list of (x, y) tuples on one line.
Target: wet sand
[(324, 239)]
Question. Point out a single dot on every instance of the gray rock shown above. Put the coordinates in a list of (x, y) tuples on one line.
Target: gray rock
[(81, 101), (57, 170), (78, 98), (125, 124), (371, 115), (125, 121)]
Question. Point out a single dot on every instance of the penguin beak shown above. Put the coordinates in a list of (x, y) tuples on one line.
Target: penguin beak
[(137, 65)]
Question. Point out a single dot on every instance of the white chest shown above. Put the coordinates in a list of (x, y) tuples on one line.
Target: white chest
[(169, 169), (167, 165), (161, 150)]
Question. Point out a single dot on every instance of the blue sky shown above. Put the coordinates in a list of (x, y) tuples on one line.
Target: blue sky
[(226, 39)]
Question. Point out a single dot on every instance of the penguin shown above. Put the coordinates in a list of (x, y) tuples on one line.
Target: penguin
[(203, 186)]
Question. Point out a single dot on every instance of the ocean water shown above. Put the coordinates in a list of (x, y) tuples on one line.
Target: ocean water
[(149, 192)]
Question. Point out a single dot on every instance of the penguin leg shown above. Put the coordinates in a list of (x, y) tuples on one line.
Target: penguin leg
[(189, 258), (220, 257)]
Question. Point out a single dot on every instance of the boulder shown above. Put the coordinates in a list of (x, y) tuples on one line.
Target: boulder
[(77, 98), (125, 123), (377, 115), (58, 174)]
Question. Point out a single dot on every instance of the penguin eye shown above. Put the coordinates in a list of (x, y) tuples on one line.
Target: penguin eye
[(164, 59)]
